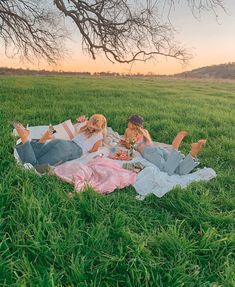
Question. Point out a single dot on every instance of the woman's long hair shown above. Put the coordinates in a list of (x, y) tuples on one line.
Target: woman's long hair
[(97, 123)]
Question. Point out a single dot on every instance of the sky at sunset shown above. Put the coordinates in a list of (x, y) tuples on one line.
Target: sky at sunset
[(210, 42)]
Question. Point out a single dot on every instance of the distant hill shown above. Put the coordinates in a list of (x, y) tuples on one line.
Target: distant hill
[(222, 71)]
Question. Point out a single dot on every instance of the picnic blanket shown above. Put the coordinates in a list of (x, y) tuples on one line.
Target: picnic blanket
[(102, 174), (149, 180)]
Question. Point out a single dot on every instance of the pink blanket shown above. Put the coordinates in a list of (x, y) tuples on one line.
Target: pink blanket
[(103, 175)]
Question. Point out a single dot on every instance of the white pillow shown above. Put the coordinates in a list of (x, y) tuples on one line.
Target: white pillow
[(64, 130)]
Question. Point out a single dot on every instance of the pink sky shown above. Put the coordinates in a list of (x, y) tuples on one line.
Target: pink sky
[(210, 41)]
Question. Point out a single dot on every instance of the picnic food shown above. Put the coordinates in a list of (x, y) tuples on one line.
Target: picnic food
[(120, 155)]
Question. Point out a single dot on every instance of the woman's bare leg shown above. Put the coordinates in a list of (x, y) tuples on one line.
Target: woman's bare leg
[(22, 132), (196, 147), (48, 135), (178, 139), (175, 144)]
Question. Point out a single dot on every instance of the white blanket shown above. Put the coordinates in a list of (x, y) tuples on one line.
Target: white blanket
[(149, 180)]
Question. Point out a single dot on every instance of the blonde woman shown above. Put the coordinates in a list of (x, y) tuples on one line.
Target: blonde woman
[(88, 139)]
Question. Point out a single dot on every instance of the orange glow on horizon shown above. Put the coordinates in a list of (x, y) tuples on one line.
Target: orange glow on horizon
[(83, 63)]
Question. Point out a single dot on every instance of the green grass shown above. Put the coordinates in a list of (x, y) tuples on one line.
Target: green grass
[(185, 238)]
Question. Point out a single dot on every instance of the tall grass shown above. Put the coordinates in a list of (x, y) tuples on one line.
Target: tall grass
[(185, 238)]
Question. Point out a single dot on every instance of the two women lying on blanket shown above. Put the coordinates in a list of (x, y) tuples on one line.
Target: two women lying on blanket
[(90, 138), (170, 160)]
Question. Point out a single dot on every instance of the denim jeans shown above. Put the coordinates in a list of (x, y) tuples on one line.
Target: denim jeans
[(52, 153), (169, 161)]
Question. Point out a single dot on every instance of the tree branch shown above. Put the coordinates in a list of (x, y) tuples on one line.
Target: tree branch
[(124, 30)]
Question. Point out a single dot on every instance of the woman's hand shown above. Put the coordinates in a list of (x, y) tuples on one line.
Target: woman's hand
[(82, 119), (127, 145), (146, 135), (96, 146), (122, 141)]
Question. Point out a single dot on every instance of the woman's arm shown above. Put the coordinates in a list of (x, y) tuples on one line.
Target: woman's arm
[(79, 130), (128, 138), (124, 141), (96, 146), (147, 137)]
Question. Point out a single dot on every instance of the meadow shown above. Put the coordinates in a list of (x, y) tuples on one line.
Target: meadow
[(186, 238)]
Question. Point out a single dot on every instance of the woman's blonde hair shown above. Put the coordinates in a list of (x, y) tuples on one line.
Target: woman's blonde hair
[(96, 123)]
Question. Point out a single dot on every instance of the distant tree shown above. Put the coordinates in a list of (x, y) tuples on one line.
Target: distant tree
[(124, 30)]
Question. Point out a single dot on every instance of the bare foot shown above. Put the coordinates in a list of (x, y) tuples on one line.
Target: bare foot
[(48, 135), (196, 147), (178, 139), (22, 132)]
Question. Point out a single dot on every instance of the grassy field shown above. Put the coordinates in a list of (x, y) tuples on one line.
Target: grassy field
[(186, 238)]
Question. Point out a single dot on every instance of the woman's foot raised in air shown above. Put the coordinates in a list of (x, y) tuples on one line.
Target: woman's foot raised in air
[(48, 135), (22, 132), (178, 139), (196, 147)]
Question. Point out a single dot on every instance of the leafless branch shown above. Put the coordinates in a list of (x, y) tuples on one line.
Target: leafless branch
[(124, 30), (128, 30), (31, 30)]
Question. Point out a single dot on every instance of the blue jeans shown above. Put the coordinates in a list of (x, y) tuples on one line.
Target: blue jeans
[(171, 162), (52, 153)]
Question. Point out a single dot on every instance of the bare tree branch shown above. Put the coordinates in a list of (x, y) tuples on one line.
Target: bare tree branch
[(30, 30), (124, 30)]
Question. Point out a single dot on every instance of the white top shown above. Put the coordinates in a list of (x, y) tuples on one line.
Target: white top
[(87, 143)]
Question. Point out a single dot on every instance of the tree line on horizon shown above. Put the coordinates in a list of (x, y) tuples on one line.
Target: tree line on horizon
[(222, 71), (21, 71)]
